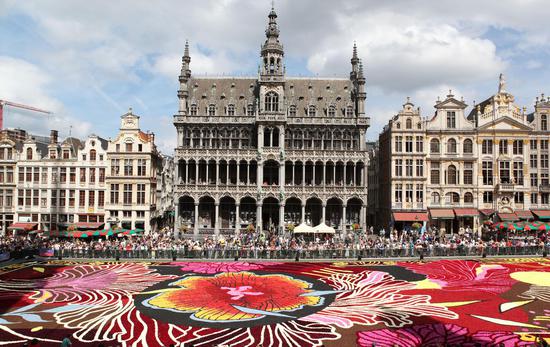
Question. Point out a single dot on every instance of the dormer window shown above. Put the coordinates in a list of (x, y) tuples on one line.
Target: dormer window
[(292, 111), (29, 153), (231, 110), (193, 110), (92, 155), (331, 111), (311, 111), (211, 110), (409, 123), (53, 153), (249, 110), (129, 146), (272, 102), (349, 111), (543, 122), (451, 119), (66, 154)]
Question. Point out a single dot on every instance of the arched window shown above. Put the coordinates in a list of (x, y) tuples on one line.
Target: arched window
[(211, 110), (349, 111), (193, 109), (452, 198), (29, 153), (468, 198), (419, 125), (451, 175), (92, 155), (230, 110), (272, 102), (543, 122), (468, 146), (451, 146), (436, 199), (397, 126), (292, 111), (409, 123), (311, 111), (434, 146), (331, 111)]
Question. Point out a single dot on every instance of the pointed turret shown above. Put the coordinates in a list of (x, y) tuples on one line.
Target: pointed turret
[(354, 62), (272, 50), (185, 75)]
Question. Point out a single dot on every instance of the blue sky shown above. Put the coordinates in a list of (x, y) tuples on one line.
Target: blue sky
[(89, 61)]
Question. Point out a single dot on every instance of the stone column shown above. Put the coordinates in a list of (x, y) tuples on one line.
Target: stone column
[(177, 169), (237, 218), (260, 137), (354, 174), (196, 226), (238, 172), (343, 227), (303, 219), (258, 217), (281, 136), (186, 171), (282, 174), (303, 174), (227, 173), (247, 173), (313, 177), (177, 220), (216, 217), (260, 175), (323, 215), (207, 178), (282, 215), (197, 172)]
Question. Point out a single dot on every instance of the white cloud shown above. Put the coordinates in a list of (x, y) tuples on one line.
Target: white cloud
[(25, 83)]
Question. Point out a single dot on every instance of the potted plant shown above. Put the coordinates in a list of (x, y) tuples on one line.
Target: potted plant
[(290, 227), (355, 226)]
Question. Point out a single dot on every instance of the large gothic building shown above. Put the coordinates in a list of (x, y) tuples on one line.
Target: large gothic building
[(270, 152)]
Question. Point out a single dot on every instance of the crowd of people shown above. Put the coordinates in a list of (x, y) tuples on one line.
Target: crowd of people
[(394, 243)]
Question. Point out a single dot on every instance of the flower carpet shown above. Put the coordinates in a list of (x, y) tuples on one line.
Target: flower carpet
[(485, 302)]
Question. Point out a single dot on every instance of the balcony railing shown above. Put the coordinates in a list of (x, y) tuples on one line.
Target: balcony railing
[(506, 187)]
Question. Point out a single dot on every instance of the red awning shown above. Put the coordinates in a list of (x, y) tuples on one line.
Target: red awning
[(487, 211), (442, 213), (542, 214), (86, 225), (23, 226), (508, 217), (522, 214), (410, 216), (466, 212)]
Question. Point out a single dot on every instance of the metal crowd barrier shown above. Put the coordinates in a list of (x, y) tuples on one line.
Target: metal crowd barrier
[(346, 253)]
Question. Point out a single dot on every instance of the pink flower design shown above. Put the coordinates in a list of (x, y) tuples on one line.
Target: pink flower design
[(465, 275), (372, 297), (438, 334), (217, 267)]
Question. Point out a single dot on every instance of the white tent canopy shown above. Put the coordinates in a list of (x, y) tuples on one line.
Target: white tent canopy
[(324, 229), (304, 229)]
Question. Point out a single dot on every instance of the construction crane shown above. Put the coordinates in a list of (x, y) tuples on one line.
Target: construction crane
[(16, 105)]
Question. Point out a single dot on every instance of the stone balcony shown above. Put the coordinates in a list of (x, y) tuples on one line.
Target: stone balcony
[(506, 187)]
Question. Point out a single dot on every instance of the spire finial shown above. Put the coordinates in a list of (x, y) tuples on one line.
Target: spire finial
[(360, 68), (354, 49), (501, 84), (186, 51)]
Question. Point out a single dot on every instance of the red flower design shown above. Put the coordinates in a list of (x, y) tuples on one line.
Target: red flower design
[(235, 296)]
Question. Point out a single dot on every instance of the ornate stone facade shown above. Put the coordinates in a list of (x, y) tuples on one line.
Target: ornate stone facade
[(458, 169), (270, 151)]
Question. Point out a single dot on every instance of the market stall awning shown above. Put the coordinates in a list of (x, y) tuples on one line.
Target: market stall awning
[(442, 213), (466, 212), (486, 211), (324, 229), (86, 225), (23, 226), (542, 214), (508, 217), (410, 216), (304, 229), (523, 214)]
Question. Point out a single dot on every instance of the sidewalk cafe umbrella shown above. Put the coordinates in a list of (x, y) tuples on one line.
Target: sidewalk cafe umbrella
[(324, 229), (304, 229)]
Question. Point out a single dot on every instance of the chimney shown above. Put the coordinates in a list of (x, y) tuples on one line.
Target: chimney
[(53, 136), (152, 137)]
